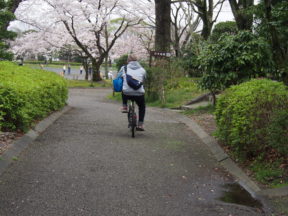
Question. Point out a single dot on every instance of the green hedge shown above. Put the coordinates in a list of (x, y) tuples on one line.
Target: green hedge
[(248, 114), (28, 94), (252, 120)]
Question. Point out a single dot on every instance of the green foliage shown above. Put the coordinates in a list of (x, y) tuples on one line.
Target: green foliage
[(234, 59), (248, 117), (278, 132), (121, 61), (267, 173), (190, 61), (228, 27), (5, 17), (27, 95), (279, 21), (273, 27)]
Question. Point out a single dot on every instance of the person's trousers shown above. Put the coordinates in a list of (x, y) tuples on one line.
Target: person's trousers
[(140, 101)]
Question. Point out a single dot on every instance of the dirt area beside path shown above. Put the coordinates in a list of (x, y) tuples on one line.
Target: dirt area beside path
[(206, 121)]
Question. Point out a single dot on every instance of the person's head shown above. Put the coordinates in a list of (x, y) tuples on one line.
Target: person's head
[(131, 57)]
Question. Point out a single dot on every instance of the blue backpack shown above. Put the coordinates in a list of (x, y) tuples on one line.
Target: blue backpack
[(118, 84)]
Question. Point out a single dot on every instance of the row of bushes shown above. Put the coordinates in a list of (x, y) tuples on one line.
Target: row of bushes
[(28, 94), (252, 121)]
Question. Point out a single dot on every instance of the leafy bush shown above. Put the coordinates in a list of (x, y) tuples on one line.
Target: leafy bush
[(252, 120), (234, 59), (228, 27), (28, 94), (278, 132)]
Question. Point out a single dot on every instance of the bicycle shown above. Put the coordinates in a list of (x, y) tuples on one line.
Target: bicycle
[(132, 117)]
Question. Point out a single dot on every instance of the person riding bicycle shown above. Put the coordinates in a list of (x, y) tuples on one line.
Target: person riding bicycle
[(135, 70)]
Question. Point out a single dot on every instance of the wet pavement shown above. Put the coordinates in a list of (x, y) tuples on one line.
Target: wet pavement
[(86, 163), (235, 193)]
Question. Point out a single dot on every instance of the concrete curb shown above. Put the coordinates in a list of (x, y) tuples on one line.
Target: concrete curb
[(229, 164), (20, 144)]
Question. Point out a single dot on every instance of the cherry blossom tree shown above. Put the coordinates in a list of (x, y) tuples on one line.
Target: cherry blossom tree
[(85, 22), (130, 42)]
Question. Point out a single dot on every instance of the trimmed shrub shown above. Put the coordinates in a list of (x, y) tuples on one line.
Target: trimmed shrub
[(27, 95), (252, 119)]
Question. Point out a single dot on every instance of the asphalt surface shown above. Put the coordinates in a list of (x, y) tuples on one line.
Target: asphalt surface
[(86, 163)]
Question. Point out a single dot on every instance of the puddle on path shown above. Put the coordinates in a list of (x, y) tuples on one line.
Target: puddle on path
[(235, 193)]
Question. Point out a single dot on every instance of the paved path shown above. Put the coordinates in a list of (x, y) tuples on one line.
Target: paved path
[(86, 164)]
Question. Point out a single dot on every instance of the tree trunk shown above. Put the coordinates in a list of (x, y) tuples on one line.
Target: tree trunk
[(96, 70), (207, 28), (243, 20), (86, 67), (107, 46), (176, 44), (163, 28), (273, 32), (206, 14)]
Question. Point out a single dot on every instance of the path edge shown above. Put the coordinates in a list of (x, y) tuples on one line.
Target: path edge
[(221, 156)]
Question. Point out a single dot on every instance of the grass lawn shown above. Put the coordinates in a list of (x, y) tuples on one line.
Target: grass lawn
[(175, 98), (178, 93), (88, 84)]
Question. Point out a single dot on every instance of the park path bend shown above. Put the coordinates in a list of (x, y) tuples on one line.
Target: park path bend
[(87, 164)]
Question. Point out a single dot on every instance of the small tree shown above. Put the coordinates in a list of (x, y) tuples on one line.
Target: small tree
[(234, 59)]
